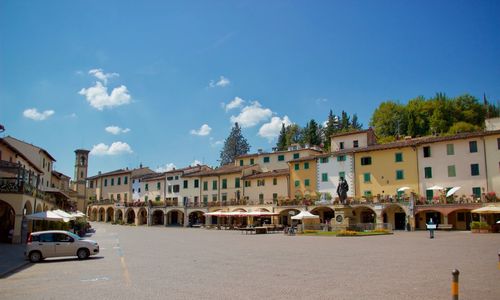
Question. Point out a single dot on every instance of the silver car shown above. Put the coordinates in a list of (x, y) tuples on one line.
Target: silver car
[(55, 243)]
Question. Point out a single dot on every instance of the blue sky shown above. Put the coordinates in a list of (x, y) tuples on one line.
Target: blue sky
[(160, 82)]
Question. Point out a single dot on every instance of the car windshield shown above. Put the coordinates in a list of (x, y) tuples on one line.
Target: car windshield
[(76, 237)]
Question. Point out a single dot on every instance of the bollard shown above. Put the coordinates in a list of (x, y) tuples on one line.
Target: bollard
[(499, 260), (454, 284)]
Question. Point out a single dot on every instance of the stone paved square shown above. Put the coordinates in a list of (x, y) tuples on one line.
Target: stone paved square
[(187, 263)]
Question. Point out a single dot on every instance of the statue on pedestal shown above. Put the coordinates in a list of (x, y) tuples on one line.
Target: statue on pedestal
[(342, 189)]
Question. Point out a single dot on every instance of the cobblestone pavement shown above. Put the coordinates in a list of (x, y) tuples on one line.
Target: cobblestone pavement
[(179, 263)]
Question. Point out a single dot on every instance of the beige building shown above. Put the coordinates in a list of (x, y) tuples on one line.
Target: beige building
[(182, 188), (269, 161), (352, 140), (266, 187), (492, 151)]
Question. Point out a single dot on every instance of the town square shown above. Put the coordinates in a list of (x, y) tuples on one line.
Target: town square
[(249, 149)]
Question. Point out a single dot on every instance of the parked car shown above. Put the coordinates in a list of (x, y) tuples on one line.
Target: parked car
[(57, 243)]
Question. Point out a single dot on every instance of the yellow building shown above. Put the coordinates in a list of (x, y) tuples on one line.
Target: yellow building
[(303, 179), (380, 170), (266, 187)]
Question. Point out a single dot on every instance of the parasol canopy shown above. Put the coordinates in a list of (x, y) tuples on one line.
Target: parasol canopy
[(490, 209), (436, 187), (402, 189), (47, 216), (305, 215), (452, 191)]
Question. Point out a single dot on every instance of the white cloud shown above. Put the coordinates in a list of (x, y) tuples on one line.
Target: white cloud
[(204, 130), (99, 74), (116, 148), (252, 115), (271, 130), (195, 163), (99, 98), (165, 168), (222, 82), (32, 113), (237, 102), (116, 130), (214, 143), (321, 100)]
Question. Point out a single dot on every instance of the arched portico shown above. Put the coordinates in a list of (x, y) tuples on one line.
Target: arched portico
[(110, 214), (175, 217), (118, 215), (395, 215), (196, 217), (158, 217), (325, 213), (101, 216), (285, 216), (423, 217), (364, 214), (130, 216), (7, 221), (460, 219), (93, 215)]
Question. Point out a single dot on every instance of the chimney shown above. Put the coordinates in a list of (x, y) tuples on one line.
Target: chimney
[(259, 151), (140, 166)]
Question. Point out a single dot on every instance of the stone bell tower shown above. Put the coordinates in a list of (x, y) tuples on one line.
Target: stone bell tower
[(81, 167)]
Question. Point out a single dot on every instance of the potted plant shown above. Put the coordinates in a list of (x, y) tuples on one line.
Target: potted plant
[(479, 227)]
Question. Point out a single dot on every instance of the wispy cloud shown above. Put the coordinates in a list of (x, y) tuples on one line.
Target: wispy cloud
[(167, 167), (252, 115), (116, 130), (271, 130), (195, 163), (71, 116), (33, 114), (99, 74), (215, 143), (321, 100), (236, 103), (222, 82), (204, 130), (115, 148)]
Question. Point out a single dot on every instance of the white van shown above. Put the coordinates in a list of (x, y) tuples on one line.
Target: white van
[(56, 243)]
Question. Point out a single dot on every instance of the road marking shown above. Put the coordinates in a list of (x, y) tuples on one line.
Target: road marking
[(126, 274), (95, 279)]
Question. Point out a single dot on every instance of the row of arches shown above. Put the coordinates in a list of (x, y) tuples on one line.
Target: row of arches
[(139, 216)]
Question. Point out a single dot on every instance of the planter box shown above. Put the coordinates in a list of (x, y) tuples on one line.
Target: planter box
[(480, 230)]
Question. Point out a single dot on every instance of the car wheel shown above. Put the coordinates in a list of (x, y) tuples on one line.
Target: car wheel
[(35, 256), (82, 253)]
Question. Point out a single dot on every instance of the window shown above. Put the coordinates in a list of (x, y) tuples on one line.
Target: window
[(429, 194), (323, 160), (473, 146), (176, 177), (237, 183), (176, 188), (498, 143), (205, 185), (169, 178), (196, 183), (81, 174), (91, 184), (427, 151), (119, 181), (275, 181), (214, 184), (266, 159), (118, 197), (205, 199), (157, 198), (224, 183), (341, 145), (158, 185), (341, 158), (366, 177), (366, 160), (398, 157), (261, 182), (428, 172), (451, 171), (460, 217), (324, 177), (261, 198), (297, 183), (355, 144), (224, 197), (185, 184), (367, 193), (400, 174), (214, 197), (251, 161), (342, 174), (474, 169), (282, 157), (296, 155), (450, 149), (306, 165), (138, 190), (112, 181), (241, 162), (146, 187), (169, 189), (296, 167), (476, 191), (125, 196), (275, 197), (248, 183)]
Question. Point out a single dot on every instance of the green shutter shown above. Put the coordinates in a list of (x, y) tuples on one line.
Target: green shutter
[(399, 174), (306, 182), (306, 165), (399, 157), (281, 157), (237, 183), (450, 150), (297, 183), (296, 167), (324, 177), (428, 172), (366, 177), (451, 171)]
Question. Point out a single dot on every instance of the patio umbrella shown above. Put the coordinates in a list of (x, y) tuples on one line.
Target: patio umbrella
[(78, 214), (47, 216), (402, 189), (436, 187), (452, 191), (490, 209), (305, 215), (64, 214)]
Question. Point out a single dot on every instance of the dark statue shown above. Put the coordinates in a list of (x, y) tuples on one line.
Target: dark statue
[(342, 189)]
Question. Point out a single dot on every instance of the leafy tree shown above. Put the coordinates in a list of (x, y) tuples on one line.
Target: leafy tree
[(293, 134), (344, 123), (311, 134), (330, 128), (389, 119), (460, 127), (235, 145)]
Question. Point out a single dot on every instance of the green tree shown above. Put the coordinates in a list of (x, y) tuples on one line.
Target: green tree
[(281, 144), (311, 134), (234, 145), (461, 127), (345, 122), (330, 129), (389, 119), (355, 125), (293, 134)]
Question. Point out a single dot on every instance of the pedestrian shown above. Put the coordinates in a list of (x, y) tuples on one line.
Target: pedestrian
[(11, 235)]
